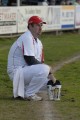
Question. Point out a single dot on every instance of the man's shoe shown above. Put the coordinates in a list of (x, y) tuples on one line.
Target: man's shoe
[(18, 98), (34, 98)]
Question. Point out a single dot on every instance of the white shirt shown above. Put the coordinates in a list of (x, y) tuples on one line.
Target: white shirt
[(25, 45)]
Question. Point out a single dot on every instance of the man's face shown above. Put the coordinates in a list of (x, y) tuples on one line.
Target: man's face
[(36, 29)]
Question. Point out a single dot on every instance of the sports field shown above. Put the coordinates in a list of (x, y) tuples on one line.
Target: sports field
[(57, 49)]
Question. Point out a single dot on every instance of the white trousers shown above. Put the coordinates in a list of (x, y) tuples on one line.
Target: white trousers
[(35, 77)]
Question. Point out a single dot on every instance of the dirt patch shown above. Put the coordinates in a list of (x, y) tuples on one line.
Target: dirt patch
[(48, 110)]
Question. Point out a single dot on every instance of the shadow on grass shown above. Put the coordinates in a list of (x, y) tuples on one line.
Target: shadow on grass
[(10, 98)]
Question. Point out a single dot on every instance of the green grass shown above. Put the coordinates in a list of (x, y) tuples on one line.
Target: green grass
[(69, 105), (57, 49)]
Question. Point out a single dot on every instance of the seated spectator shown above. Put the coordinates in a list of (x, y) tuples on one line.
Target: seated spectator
[(0, 2), (57, 2), (32, 2), (68, 2), (12, 3), (77, 2), (51, 2), (63, 2), (43, 2), (4, 2)]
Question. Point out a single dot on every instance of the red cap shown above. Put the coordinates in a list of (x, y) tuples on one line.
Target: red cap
[(36, 20)]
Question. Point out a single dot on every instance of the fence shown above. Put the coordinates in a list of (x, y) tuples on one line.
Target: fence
[(14, 19)]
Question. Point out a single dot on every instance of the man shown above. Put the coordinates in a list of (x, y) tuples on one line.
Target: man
[(26, 56)]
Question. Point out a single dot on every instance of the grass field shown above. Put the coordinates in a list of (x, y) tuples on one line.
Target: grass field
[(57, 49), (70, 102)]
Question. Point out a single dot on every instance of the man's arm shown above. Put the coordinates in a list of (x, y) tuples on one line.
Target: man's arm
[(30, 60)]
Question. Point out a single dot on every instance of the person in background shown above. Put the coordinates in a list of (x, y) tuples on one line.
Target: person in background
[(4, 2), (0, 2), (51, 2), (12, 3), (43, 2), (32, 2), (57, 2), (68, 2), (77, 2), (63, 2), (26, 67)]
